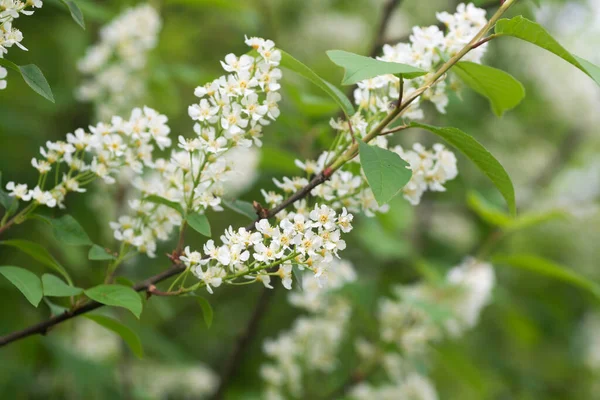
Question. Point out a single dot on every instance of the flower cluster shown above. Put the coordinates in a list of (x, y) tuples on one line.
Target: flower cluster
[(228, 118), (310, 243), (9, 35), (428, 47), (421, 314), (103, 152), (233, 108), (431, 169), (312, 344), (115, 66)]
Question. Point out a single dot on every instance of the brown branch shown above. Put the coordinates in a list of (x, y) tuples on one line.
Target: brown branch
[(244, 339), (43, 327), (388, 10)]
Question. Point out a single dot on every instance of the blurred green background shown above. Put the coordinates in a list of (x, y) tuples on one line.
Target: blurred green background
[(529, 343)]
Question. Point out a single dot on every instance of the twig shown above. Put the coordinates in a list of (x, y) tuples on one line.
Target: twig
[(388, 10), (233, 363), (43, 327)]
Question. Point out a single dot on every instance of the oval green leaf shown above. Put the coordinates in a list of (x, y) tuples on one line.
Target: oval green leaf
[(33, 76), (486, 162), (502, 90), (68, 231), (241, 207), (207, 311), (486, 211), (98, 253), (534, 33), (289, 62), (387, 173), (39, 253), (27, 282), (548, 268), (118, 296), (199, 223), (76, 13), (55, 287), (161, 200), (126, 333), (358, 68)]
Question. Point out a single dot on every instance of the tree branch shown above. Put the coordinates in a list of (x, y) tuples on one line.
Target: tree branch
[(244, 339)]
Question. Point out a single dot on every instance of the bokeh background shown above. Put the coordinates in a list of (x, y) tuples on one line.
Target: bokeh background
[(538, 339)]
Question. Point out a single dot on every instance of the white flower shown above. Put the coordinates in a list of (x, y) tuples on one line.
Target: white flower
[(190, 258), (323, 216), (189, 145), (285, 273), (18, 191), (235, 64), (42, 197), (345, 221), (213, 276), (42, 166)]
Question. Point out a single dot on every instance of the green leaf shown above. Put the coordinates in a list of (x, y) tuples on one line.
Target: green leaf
[(56, 287), (289, 62), (241, 207), (98, 253), (481, 157), (161, 200), (126, 333), (494, 216), (38, 253), (486, 211), (548, 268), (387, 173), (207, 311), (298, 281), (358, 68), (33, 76), (27, 282), (76, 13), (502, 90), (592, 70), (68, 231), (200, 223), (116, 295), (55, 309), (532, 32), (124, 281)]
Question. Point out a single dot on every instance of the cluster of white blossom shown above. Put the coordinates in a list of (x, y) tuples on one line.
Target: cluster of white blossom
[(431, 168), (310, 243), (408, 325), (115, 66), (421, 315), (407, 321), (103, 152), (428, 48), (9, 35), (347, 187), (313, 343), (229, 117)]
